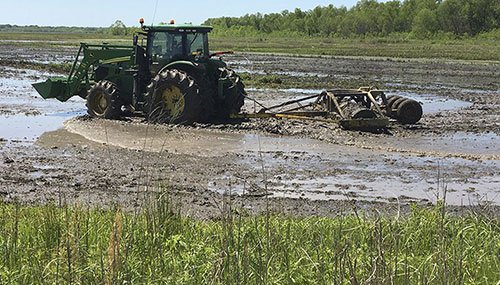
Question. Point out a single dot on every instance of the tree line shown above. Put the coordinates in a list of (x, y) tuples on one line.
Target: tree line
[(421, 18), (118, 28), (7, 28)]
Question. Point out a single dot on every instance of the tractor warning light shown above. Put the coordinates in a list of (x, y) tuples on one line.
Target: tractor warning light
[(172, 22)]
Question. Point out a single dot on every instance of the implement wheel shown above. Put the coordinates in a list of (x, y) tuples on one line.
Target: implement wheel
[(396, 103), (409, 112), (391, 100), (103, 100), (234, 93), (173, 97)]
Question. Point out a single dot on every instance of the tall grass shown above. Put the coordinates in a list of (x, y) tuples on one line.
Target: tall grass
[(73, 245)]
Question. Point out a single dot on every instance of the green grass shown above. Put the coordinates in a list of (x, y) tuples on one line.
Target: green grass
[(73, 245), (392, 46), (61, 39), (464, 49)]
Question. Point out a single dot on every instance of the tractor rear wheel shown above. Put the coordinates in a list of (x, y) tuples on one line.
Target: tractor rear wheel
[(173, 97), (103, 100), (234, 94)]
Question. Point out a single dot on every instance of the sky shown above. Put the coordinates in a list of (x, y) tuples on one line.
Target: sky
[(103, 13)]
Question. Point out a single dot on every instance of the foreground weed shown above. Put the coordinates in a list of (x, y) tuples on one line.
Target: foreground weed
[(51, 245)]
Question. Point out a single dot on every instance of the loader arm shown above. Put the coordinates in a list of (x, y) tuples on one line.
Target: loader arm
[(81, 76)]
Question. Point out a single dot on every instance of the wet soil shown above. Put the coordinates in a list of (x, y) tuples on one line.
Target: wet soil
[(52, 152)]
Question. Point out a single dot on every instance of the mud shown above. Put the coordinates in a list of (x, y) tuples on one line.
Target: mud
[(51, 152)]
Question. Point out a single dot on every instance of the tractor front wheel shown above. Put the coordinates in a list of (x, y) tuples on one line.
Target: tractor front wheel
[(103, 100)]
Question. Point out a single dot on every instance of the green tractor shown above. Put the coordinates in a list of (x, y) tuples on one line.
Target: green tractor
[(167, 76)]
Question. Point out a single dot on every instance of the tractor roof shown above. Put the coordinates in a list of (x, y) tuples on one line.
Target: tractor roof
[(178, 28)]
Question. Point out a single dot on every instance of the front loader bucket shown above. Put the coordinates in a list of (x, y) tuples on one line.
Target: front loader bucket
[(54, 88)]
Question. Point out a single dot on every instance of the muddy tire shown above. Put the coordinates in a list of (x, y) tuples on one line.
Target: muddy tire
[(391, 100), (208, 91), (409, 112), (174, 97), (397, 103), (103, 100), (234, 94)]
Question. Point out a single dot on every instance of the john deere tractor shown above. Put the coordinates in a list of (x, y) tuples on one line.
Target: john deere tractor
[(167, 75)]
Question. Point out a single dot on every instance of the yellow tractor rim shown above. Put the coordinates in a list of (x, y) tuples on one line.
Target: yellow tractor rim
[(100, 103), (173, 100)]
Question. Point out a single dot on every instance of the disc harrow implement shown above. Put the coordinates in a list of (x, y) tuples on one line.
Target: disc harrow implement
[(365, 109)]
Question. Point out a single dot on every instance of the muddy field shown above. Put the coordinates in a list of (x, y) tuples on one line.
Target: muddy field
[(52, 152)]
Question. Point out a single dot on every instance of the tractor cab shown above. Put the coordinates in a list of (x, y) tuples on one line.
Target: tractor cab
[(172, 43)]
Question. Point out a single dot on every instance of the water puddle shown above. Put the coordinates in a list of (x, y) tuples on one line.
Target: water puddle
[(158, 138), (301, 91), (24, 115), (460, 144), (451, 89), (432, 103), (287, 92), (284, 73), (32, 41), (361, 177), (378, 181), (409, 189), (27, 129), (12, 77)]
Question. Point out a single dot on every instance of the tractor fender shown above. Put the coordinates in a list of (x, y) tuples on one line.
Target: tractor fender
[(184, 65), (217, 63)]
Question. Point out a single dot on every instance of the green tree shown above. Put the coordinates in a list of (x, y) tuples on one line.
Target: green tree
[(453, 16), (424, 24), (483, 15), (118, 28), (422, 18), (389, 17)]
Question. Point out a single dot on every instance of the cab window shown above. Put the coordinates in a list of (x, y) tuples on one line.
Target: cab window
[(165, 46), (196, 43)]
